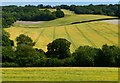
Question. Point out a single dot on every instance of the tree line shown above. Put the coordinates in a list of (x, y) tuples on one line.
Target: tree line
[(34, 13), (58, 54), (110, 10)]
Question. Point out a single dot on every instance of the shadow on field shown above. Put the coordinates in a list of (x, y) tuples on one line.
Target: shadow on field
[(94, 20)]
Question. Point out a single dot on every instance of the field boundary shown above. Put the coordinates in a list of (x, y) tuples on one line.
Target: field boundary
[(94, 20)]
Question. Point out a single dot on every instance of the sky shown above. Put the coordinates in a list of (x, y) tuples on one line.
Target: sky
[(59, 0)]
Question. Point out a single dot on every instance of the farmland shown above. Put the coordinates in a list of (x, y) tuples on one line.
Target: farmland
[(60, 74), (93, 34)]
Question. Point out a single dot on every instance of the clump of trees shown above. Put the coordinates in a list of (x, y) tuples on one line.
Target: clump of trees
[(28, 13), (57, 55), (110, 10)]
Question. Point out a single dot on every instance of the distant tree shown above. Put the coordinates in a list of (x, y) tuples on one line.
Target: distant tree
[(40, 6), (59, 14), (59, 48), (26, 40)]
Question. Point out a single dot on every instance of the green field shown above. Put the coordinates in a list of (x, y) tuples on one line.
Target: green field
[(60, 74)]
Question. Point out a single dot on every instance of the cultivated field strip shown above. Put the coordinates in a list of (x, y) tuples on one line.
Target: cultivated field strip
[(69, 37), (99, 33), (112, 30), (92, 34), (54, 33), (36, 40), (76, 36), (85, 36), (112, 27), (45, 38), (60, 74), (106, 31)]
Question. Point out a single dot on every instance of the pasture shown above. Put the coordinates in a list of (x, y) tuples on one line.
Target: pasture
[(60, 74)]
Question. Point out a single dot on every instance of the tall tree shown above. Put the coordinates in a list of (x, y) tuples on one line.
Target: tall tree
[(59, 48)]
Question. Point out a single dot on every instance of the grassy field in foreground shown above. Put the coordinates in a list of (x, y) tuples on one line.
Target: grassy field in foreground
[(93, 34), (60, 74)]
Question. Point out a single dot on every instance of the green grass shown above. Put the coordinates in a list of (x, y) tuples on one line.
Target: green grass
[(60, 74)]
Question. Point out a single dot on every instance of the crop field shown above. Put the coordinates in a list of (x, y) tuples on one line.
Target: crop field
[(60, 74), (93, 34)]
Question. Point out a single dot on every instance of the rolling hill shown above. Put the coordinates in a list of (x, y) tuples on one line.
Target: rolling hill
[(93, 34)]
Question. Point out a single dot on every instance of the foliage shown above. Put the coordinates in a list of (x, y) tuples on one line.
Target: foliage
[(59, 14), (23, 39), (84, 56), (27, 13), (5, 39), (9, 64), (8, 54), (59, 48), (68, 62), (53, 62), (27, 56), (108, 56)]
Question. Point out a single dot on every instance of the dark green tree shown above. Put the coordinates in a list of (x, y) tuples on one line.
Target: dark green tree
[(26, 40), (84, 56), (108, 56), (5, 39), (59, 48), (53, 62), (27, 56), (8, 54), (59, 14)]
